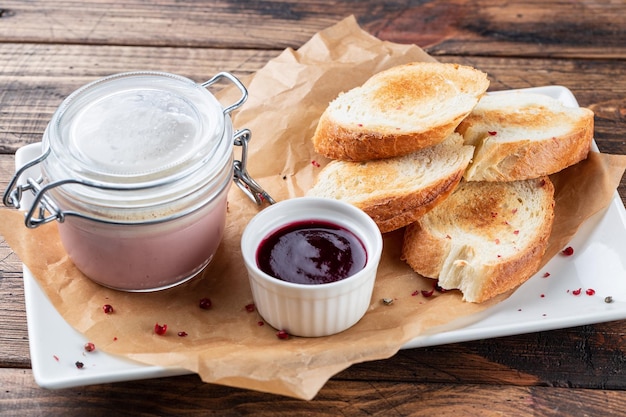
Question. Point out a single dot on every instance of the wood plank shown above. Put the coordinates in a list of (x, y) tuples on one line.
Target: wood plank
[(14, 350), (10, 265), (521, 28), (189, 396), (35, 83), (36, 78), (277, 24), (594, 29), (580, 357), (13, 331)]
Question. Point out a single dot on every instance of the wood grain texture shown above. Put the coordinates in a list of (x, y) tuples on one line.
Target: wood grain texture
[(490, 27), (580, 357), (48, 49), (36, 78), (34, 85), (188, 396), (449, 27)]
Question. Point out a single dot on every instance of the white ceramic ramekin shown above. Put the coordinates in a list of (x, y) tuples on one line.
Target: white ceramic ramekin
[(318, 309)]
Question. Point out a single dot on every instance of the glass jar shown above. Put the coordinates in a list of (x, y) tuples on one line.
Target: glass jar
[(136, 168)]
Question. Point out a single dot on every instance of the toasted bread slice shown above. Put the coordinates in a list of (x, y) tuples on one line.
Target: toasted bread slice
[(397, 191), (484, 239), (399, 111), (521, 135)]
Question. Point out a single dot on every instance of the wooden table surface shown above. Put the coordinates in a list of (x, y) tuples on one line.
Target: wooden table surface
[(48, 49)]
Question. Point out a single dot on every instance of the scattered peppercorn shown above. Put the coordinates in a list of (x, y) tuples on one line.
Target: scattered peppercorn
[(79, 365), (90, 347), (427, 294), (590, 291), (250, 308), (282, 334), (608, 299), (387, 301), (107, 308), (205, 303), (160, 329), (568, 251), (182, 334)]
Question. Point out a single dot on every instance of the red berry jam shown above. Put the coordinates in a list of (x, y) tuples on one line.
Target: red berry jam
[(311, 252)]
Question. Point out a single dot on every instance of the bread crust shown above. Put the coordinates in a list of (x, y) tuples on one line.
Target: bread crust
[(438, 252), (394, 212), (399, 111), (523, 157), (335, 141), (423, 251), (395, 192)]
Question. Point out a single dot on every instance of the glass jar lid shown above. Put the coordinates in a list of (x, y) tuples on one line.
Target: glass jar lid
[(135, 128)]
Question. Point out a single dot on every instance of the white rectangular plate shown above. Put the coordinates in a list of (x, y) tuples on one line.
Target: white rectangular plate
[(540, 304)]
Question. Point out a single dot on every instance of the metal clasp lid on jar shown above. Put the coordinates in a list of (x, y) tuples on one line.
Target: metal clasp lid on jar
[(140, 139)]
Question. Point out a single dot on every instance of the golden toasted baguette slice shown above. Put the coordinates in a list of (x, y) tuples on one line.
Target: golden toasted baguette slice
[(399, 111), (521, 135), (397, 191), (484, 239)]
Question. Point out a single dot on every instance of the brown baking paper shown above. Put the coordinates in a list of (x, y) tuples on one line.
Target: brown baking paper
[(229, 345)]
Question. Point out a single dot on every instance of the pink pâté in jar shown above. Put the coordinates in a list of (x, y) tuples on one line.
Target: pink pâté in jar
[(136, 168)]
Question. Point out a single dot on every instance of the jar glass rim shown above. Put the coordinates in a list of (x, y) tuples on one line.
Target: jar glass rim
[(137, 143), (135, 128)]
